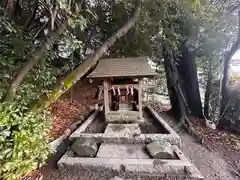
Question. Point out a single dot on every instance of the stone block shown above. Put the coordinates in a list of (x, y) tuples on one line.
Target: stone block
[(123, 116), (118, 178), (122, 129), (84, 148), (160, 150), (122, 151)]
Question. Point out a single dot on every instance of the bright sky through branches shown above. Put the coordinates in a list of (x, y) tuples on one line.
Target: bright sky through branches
[(236, 55)]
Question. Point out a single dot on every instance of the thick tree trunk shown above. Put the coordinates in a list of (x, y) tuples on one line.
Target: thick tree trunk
[(178, 97), (188, 73), (32, 60), (208, 92), (171, 91), (89, 63), (227, 59), (178, 102), (174, 84)]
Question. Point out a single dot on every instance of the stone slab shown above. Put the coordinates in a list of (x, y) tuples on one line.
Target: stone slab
[(122, 151), (123, 116), (128, 138), (136, 166), (179, 167), (122, 129)]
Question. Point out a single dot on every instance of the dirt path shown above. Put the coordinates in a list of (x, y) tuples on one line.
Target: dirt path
[(210, 164)]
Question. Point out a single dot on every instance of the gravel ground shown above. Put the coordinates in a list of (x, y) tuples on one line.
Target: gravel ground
[(210, 164)]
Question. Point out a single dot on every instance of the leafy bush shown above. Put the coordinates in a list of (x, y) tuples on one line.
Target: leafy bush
[(230, 119), (23, 140)]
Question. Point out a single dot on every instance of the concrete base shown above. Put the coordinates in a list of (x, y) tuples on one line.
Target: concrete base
[(122, 151), (179, 167), (122, 129)]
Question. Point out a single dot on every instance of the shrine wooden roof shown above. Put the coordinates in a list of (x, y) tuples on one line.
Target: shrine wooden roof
[(123, 67)]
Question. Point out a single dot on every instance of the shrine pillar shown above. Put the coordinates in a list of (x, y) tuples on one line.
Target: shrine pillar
[(140, 86), (106, 98)]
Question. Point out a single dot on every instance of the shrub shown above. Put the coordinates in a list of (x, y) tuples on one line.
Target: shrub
[(23, 140), (230, 119)]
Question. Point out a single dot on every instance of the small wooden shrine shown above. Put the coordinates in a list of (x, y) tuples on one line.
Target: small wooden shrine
[(122, 86)]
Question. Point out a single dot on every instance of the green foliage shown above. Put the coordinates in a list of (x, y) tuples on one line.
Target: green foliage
[(37, 82), (23, 144), (13, 47)]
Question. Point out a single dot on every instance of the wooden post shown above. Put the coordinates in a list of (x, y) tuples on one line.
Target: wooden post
[(109, 99), (140, 98), (106, 99), (100, 92)]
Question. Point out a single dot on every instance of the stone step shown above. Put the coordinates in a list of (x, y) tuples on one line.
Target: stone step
[(122, 129), (122, 151), (122, 116), (180, 167)]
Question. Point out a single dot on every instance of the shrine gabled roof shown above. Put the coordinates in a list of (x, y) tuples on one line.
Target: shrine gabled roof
[(123, 67)]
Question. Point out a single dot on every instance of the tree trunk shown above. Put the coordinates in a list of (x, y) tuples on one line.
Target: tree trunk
[(227, 59), (188, 73), (33, 59), (171, 91), (88, 64), (208, 92), (178, 102), (178, 97)]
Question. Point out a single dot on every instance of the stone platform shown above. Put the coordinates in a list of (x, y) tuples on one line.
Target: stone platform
[(122, 148), (176, 167)]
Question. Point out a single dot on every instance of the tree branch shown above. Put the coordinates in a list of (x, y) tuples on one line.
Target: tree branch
[(40, 30), (229, 11), (227, 59), (32, 60), (53, 14), (89, 63)]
